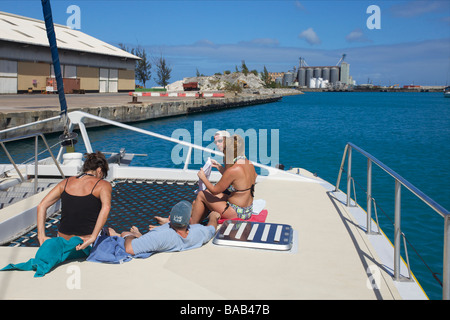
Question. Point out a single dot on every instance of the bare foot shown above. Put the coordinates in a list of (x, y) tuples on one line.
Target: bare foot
[(135, 231), (127, 233), (162, 220), (113, 233)]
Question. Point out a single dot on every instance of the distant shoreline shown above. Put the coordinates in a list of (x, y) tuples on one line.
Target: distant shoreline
[(373, 90)]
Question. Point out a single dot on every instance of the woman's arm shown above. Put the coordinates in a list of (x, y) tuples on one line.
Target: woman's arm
[(222, 185), (105, 198), (218, 166), (45, 203)]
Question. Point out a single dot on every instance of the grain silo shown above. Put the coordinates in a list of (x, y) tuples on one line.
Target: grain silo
[(334, 75), (317, 72), (309, 75), (301, 77), (288, 79), (326, 73)]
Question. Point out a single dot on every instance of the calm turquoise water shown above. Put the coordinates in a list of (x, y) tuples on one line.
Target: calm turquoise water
[(409, 132)]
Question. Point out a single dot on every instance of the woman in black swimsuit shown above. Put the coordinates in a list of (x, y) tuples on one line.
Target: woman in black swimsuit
[(85, 202)]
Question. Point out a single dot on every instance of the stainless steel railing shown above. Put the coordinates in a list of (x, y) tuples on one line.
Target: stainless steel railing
[(36, 136), (399, 182), (78, 118)]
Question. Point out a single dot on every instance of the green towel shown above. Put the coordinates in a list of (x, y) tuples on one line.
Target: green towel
[(52, 252)]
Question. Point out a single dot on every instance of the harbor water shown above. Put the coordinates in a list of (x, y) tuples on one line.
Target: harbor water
[(409, 132)]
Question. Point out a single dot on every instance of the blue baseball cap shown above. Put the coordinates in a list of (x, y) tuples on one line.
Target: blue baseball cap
[(181, 214)]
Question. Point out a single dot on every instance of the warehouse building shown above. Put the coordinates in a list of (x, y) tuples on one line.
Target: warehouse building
[(87, 64)]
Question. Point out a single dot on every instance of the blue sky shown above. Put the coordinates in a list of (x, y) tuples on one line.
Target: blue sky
[(411, 47)]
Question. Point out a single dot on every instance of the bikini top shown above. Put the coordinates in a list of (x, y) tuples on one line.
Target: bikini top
[(79, 213), (233, 189)]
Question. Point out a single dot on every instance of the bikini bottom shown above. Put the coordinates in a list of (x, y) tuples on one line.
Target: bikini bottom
[(242, 213)]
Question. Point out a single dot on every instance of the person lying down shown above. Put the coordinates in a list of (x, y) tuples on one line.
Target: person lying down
[(175, 233)]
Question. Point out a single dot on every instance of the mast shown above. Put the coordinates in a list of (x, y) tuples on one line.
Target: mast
[(67, 139)]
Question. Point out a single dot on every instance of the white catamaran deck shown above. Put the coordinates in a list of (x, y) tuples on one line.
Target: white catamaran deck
[(330, 259)]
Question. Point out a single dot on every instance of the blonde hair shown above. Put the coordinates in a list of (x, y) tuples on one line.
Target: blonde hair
[(222, 133), (233, 147)]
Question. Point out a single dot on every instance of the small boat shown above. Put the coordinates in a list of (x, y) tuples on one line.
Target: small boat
[(447, 92)]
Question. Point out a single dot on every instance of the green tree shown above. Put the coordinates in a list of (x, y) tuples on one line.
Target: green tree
[(265, 77), (244, 68), (163, 71), (143, 66)]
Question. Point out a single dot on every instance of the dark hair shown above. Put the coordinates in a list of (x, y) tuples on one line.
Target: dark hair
[(94, 161)]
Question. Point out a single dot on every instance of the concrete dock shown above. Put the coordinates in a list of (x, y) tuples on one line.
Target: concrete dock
[(16, 110)]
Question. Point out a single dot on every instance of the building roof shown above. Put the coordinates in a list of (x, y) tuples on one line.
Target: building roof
[(25, 30)]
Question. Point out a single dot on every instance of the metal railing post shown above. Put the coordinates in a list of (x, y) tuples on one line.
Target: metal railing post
[(341, 168), (369, 195), (446, 260), (35, 164), (87, 142), (188, 158), (12, 162), (397, 230), (53, 157), (349, 174)]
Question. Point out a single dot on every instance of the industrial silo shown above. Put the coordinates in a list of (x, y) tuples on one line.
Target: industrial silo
[(278, 80), (288, 79), (317, 73), (334, 75), (326, 74), (301, 77), (309, 75)]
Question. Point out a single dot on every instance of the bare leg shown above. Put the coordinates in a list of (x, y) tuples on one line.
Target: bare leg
[(133, 232), (199, 209), (206, 202)]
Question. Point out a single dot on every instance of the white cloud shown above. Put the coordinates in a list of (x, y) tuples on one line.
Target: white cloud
[(262, 42), (205, 43), (418, 7), (357, 35), (310, 36), (299, 5)]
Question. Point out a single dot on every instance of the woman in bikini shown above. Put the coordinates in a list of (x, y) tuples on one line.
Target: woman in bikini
[(238, 178), (85, 201)]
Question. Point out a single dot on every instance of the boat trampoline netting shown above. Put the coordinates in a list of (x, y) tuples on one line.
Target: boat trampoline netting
[(133, 203)]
